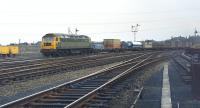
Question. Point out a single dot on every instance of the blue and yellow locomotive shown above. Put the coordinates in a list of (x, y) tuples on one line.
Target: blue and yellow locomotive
[(58, 44)]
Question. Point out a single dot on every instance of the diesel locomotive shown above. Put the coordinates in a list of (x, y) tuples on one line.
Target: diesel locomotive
[(58, 44)]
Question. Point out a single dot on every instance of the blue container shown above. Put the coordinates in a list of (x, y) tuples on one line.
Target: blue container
[(97, 45)]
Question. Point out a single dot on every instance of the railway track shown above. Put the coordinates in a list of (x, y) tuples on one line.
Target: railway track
[(39, 62), (183, 61), (187, 58), (19, 63), (184, 65), (100, 97), (79, 92), (24, 73), (50, 62)]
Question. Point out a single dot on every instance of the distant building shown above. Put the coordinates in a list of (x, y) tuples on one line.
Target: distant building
[(174, 42), (24, 44), (194, 41), (38, 43)]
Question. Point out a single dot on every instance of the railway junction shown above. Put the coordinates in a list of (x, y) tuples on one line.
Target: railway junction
[(130, 79), (99, 54)]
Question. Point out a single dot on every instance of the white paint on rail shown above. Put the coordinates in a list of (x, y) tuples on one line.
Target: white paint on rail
[(166, 94)]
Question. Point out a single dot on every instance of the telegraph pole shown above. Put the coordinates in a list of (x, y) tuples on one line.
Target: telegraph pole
[(134, 30), (195, 32), (76, 31), (70, 32)]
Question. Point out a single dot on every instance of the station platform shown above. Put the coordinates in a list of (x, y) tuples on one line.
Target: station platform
[(166, 89)]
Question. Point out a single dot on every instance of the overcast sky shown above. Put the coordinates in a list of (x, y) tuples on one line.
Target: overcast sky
[(29, 20)]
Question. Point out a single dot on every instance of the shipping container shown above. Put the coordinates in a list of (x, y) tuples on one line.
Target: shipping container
[(112, 43), (97, 45)]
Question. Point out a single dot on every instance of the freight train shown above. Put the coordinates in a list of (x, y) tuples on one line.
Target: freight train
[(58, 44)]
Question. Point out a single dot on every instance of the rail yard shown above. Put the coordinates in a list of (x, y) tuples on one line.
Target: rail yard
[(127, 79), (71, 71), (99, 54)]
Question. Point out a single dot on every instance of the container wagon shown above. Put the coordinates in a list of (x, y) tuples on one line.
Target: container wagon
[(97, 47), (112, 44), (126, 45)]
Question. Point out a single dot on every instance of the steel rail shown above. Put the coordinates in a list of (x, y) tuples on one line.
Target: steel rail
[(5, 77), (58, 63), (180, 64), (137, 98), (189, 59), (30, 62), (49, 61), (69, 83), (85, 97), (81, 101)]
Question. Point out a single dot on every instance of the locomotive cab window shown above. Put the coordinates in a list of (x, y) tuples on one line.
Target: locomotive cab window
[(47, 39)]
